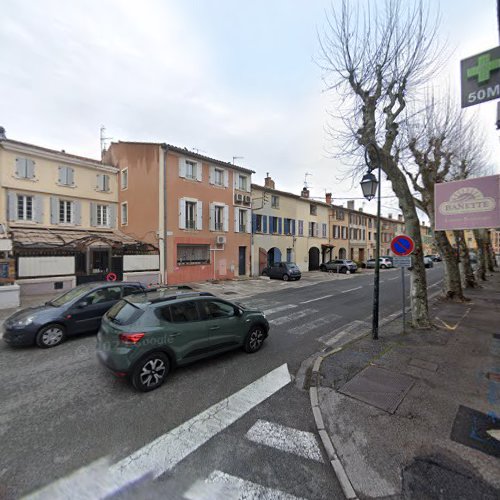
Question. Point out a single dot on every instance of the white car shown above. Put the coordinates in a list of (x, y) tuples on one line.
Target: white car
[(384, 263)]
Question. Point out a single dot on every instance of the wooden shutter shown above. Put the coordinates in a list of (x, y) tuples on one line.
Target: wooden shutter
[(93, 214), (226, 218), (211, 176), (199, 171), (77, 213), (54, 210), (211, 221), (12, 206), (248, 222), (199, 215), (20, 167), (38, 209), (60, 178), (182, 213), (112, 215), (254, 223), (182, 169), (226, 178), (30, 169), (99, 182), (71, 176), (264, 224), (280, 225), (236, 220)]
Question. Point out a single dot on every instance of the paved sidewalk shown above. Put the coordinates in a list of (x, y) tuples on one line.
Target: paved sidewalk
[(409, 415)]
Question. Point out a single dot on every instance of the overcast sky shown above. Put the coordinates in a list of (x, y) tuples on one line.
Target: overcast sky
[(227, 77)]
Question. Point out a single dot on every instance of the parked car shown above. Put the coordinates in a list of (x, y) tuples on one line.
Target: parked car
[(75, 311), (435, 257), (384, 263), (428, 261), (283, 271), (339, 266), (144, 336)]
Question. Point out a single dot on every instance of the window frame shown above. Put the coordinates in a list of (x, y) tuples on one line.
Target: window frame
[(218, 171), (124, 205), (24, 198), (124, 175), (244, 183), (190, 206), (194, 170), (66, 206), (106, 212), (275, 201)]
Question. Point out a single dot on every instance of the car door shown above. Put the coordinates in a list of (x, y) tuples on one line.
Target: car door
[(223, 324), (86, 314), (274, 271), (186, 330)]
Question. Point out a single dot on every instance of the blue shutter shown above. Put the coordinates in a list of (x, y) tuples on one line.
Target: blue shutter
[(286, 224), (264, 224), (271, 225), (293, 227), (280, 227), (254, 223)]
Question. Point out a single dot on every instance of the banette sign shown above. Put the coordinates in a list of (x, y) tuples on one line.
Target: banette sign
[(468, 204)]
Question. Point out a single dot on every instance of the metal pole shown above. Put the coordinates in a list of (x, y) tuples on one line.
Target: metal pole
[(376, 290), (404, 297)]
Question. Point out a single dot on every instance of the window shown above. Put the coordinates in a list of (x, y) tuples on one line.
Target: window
[(193, 254), (124, 178), (191, 169), (273, 225), (344, 233), (242, 220), (103, 182), (124, 214), (275, 201), (313, 209), (301, 228), (190, 215), (66, 176), (103, 295), (216, 309), (242, 183), (184, 312), (102, 215), (24, 207), (258, 224), (219, 177), (219, 218), (288, 224), (323, 230), (311, 229), (336, 231), (25, 168), (339, 214), (65, 212)]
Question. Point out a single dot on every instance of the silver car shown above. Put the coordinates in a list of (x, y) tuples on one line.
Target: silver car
[(384, 263)]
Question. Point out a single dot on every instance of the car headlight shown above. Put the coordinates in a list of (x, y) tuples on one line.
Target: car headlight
[(24, 321)]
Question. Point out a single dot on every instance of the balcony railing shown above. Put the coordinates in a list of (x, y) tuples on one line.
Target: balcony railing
[(190, 224), (219, 226)]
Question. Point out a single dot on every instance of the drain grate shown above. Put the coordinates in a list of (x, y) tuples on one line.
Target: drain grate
[(379, 387)]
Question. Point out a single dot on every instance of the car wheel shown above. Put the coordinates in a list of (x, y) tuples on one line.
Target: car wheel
[(50, 336), (254, 339), (383, 266), (286, 277), (151, 372), (322, 268), (343, 270)]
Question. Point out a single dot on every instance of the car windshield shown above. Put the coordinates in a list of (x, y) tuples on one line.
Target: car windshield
[(124, 313), (292, 266), (70, 295)]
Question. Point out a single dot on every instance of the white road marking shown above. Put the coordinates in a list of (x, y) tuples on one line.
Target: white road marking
[(165, 452), (287, 439), (318, 298), (312, 325), (352, 289), (391, 279), (292, 316), (352, 330), (279, 308), (234, 488)]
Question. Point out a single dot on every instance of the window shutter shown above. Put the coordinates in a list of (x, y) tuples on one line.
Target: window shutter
[(226, 218), (248, 222), (236, 220), (182, 214), (93, 214), (211, 175), (77, 213), (280, 225), (316, 229), (264, 224), (71, 176), (226, 178), (199, 171), (112, 215), (254, 223), (211, 222), (12, 206), (271, 225), (199, 215), (20, 167), (54, 210), (30, 169), (105, 183), (182, 168), (235, 180), (99, 182), (38, 203), (293, 227), (60, 179)]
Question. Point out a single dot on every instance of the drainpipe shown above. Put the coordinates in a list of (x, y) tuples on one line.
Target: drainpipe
[(165, 273)]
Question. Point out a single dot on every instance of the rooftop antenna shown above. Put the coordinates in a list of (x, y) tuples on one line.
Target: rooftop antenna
[(306, 184), (238, 158), (197, 150), (103, 138)]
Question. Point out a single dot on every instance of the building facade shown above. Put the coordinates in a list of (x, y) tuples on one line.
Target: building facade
[(196, 209)]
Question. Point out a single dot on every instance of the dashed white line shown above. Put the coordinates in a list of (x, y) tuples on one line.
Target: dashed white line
[(312, 325), (279, 308), (287, 439), (317, 298), (352, 289), (292, 316)]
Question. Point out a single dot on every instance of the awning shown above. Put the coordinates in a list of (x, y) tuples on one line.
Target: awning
[(67, 239), (323, 245)]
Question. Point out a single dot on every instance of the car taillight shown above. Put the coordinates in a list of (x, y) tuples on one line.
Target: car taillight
[(130, 338)]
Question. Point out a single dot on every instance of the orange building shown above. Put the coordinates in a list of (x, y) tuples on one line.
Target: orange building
[(196, 209)]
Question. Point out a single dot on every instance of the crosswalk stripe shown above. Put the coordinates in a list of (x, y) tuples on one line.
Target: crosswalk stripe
[(312, 325), (276, 309), (293, 316), (287, 439), (233, 488)]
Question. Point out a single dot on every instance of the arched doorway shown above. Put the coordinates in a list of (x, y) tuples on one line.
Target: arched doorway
[(342, 253), (313, 259), (273, 255)]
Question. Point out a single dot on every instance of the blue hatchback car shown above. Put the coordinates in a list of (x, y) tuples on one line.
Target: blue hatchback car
[(75, 311)]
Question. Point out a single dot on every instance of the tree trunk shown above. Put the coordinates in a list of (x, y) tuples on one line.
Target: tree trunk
[(481, 254), (452, 284), (466, 271), (489, 253)]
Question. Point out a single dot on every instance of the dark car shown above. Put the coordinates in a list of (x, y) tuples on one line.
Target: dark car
[(435, 257), (145, 335), (283, 271), (339, 266), (75, 311)]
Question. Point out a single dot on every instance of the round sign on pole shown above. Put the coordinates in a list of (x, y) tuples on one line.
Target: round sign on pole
[(402, 245)]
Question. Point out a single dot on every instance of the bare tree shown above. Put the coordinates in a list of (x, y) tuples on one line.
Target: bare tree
[(377, 58)]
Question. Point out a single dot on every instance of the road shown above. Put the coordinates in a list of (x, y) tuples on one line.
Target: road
[(61, 412)]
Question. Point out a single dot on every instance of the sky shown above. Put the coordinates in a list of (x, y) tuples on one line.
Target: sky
[(226, 78)]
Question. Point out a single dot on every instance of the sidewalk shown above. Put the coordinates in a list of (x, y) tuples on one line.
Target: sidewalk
[(408, 415)]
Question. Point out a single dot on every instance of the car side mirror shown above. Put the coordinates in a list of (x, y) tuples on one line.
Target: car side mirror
[(238, 311), (82, 304)]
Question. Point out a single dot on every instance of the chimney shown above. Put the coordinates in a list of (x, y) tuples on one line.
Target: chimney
[(328, 197), (400, 217), (305, 192), (360, 209), (268, 182), (2, 133), (350, 204)]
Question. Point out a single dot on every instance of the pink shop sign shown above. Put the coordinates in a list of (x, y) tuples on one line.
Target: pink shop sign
[(468, 204)]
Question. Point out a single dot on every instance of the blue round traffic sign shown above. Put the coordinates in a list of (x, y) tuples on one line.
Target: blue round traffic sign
[(402, 245)]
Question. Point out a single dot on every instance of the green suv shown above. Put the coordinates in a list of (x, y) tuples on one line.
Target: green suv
[(145, 335)]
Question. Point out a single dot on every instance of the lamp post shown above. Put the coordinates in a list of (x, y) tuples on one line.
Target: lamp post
[(369, 185)]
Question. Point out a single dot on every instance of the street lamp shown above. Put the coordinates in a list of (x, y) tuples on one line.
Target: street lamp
[(369, 185)]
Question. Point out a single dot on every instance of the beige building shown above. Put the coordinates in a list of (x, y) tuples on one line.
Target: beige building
[(60, 213)]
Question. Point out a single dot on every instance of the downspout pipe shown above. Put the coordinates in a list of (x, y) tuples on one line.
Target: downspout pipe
[(165, 273)]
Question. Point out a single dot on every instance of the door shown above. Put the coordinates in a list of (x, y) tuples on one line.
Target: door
[(186, 331), (242, 261), (86, 314), (100, 260), (224, 327)]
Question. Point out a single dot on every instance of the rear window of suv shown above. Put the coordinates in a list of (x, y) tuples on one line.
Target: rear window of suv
[(124, 313)]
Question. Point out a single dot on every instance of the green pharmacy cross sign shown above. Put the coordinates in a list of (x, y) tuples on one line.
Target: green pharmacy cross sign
[(480, 77)]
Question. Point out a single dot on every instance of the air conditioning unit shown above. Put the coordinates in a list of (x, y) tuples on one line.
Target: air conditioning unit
[(238, 197), (246, 199), (220, 240)]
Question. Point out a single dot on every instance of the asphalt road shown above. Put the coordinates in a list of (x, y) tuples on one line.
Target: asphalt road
[(60, 411)]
